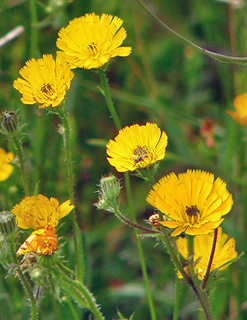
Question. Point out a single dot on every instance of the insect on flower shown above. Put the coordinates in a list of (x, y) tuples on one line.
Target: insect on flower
[(140, 158), (154, 220)]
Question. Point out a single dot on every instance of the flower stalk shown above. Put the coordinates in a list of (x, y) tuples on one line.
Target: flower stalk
[(18, 146), (34, 29), (77, 237), (139, 248), (108, 98), (24, 282), (200, 293), (83, 291)]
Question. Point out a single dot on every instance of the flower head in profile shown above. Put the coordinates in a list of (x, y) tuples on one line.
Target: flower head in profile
[(91, 40), (193, 201), (39, 212), (136, 147), (224, 252), (5, 167), (240, 104), (44, 81), (42, 241)]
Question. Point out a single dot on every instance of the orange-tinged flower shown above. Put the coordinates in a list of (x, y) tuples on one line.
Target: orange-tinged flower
[(41, 241), (240, 104), (39, 212), (45, 81), (193, 201), (5, 167), (136, 147), (91, 40), (224, 252)]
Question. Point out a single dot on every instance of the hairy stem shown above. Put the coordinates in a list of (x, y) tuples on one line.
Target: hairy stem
[(24, 283), (77, 236)]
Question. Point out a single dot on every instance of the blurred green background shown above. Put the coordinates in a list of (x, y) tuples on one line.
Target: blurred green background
[(164, 81)]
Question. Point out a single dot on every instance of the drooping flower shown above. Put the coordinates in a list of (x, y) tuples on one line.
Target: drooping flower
[(223, 255), (91, 40), (42, 241), (42, 215), (39, 212), (193, 201), (136, 147), (240, 104), (5, 167), (44, 81)]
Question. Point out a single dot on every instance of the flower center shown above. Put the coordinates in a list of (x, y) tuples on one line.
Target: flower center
[(139, 154), (93, 49), (47, 89), (193, 214)]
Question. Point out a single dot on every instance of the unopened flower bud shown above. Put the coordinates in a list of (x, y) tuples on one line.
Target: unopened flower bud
[(9, 121), (109, 188), (8, 227)]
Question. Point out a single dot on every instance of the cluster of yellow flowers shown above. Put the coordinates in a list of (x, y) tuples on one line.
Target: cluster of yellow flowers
[(87, 42), (192, 202)]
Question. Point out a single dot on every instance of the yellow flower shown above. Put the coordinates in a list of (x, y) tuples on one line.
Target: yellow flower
[(240, 104), (223, 255), (136, 147), (5, 167), (193, 202), (90, 41), (42, 241), (45, 81), (40, 212)]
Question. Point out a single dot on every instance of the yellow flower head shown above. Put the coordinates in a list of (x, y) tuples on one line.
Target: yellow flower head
[(42, 241), (5, 167), (240, 104), (40, 212), (193, 202), (223, 255), (45, 81), (136, 147), (91, 40)]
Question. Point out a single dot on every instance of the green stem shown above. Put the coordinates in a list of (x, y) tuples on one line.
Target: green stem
[(77, 236), (107, 95), (201, 295), (130, 223), (170, 246), (18, 146), (108, 98), (214, 55), (177, 299), (34, 29), (25, 283), (71, 307), (139, 248), (83, 291)]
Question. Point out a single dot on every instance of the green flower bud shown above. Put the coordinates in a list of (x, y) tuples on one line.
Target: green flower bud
[(109, 190), (8, 227)]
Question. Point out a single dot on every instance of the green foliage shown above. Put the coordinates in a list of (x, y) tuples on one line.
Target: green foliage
[(164, 80)]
